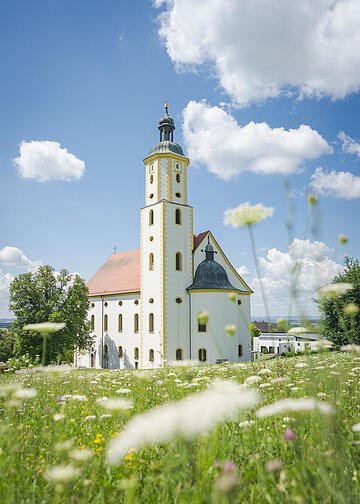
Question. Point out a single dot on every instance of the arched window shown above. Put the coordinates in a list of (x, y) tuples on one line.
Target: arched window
[(92, 323), (151, 355), (136, 323), (178, 216), (179, 354), (105, 322), (151, 217), (106, 357), (178, 178), (178, 261), (136, 353), (120, 352), (120, 323), (151, 322), (240, 350), (151, 261), (202, 354), (151, 178)]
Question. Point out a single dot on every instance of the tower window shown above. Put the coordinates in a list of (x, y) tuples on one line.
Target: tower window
[(151, 322), (151, 300), (136, 301), (178, 300), (120, 352), (151, 217), (120, 323), (136, 353), (179, 354), (178, 261), (151, 355), (92, 323), (120, 303), (202, 354), (105, 304), (136, 323), (105, 322), (202, 325), (178, 178), (151, 179), (151, 261), (240, 350), (178, 195), (106, 357), (178, 216), (151, 195), (239, 301)]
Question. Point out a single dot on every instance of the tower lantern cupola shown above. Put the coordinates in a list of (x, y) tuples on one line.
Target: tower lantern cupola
[(166, 126)]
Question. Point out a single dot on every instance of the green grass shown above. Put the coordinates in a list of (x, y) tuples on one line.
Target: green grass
[(319, 466)]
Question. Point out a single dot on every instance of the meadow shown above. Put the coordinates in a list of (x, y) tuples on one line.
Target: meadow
[(207, 439)]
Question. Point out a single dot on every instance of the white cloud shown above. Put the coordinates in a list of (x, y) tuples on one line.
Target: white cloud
[(349, 145), (243, 271), (260, 49), (214, 138), (12, 256), (46, 160), (339, 184), (315, 268), (5, 280)]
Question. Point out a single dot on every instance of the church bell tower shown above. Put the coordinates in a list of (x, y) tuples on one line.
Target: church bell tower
[(166, 243)]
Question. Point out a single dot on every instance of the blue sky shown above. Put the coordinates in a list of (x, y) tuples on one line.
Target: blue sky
[(92, 77)]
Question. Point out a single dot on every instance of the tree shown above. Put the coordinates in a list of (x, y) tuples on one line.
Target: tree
[(254, 331), (6, 345), (340, 315), (46, 296)]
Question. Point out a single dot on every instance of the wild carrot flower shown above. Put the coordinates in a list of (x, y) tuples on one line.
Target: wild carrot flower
[(350, 348), (193, 415), (115, 404), (45, 327), (230, 330), (334, 290), (252, 380), (203, 317), (312, 200), (342, 239), (247, 215), (321, 344), (24, 393), (351, 309), (295, 406), (81, 455), (61, 474)]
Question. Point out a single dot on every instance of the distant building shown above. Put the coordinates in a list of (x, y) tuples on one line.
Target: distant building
[(147, 305), (279, 343)]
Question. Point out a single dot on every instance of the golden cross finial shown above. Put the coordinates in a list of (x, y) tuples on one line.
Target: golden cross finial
[(166, 105)]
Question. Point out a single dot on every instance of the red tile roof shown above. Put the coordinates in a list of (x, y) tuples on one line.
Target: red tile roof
[(198, 238), (120, 274)]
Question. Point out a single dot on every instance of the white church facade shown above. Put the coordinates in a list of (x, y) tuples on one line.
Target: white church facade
[(172, 299)]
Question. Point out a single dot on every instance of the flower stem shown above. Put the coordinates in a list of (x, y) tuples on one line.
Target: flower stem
[(45, 337)]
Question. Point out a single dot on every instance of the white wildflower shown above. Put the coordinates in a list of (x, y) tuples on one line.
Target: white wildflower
[(81, 455), (265, 385), (230, 330), (64, 445), (356, 427), (58, 416), (123, 391), (322, 344), (195, 414), (115, 404), (89, 417), (264, 371), (77, 397), (45, 327), (184, 363), (350, 348), (24, 393), (335, 289), (279, 380), (252, 380), (295, 406), (301, 365), (61, 473), (246, 215)]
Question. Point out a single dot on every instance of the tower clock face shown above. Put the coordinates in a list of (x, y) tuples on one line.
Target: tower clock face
[(177, 167)]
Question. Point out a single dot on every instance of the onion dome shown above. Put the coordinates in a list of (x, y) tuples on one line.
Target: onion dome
[(210, 274), (166, 128)]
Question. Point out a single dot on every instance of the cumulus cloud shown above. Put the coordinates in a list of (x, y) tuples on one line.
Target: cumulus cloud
[(243, 271), (214, 138), (12, 256), (314, 266), (339, 184), (46, 160), (348, 144), (262, 50), (5, 280)]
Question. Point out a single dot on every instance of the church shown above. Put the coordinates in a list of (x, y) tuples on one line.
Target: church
[(176, 298)]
